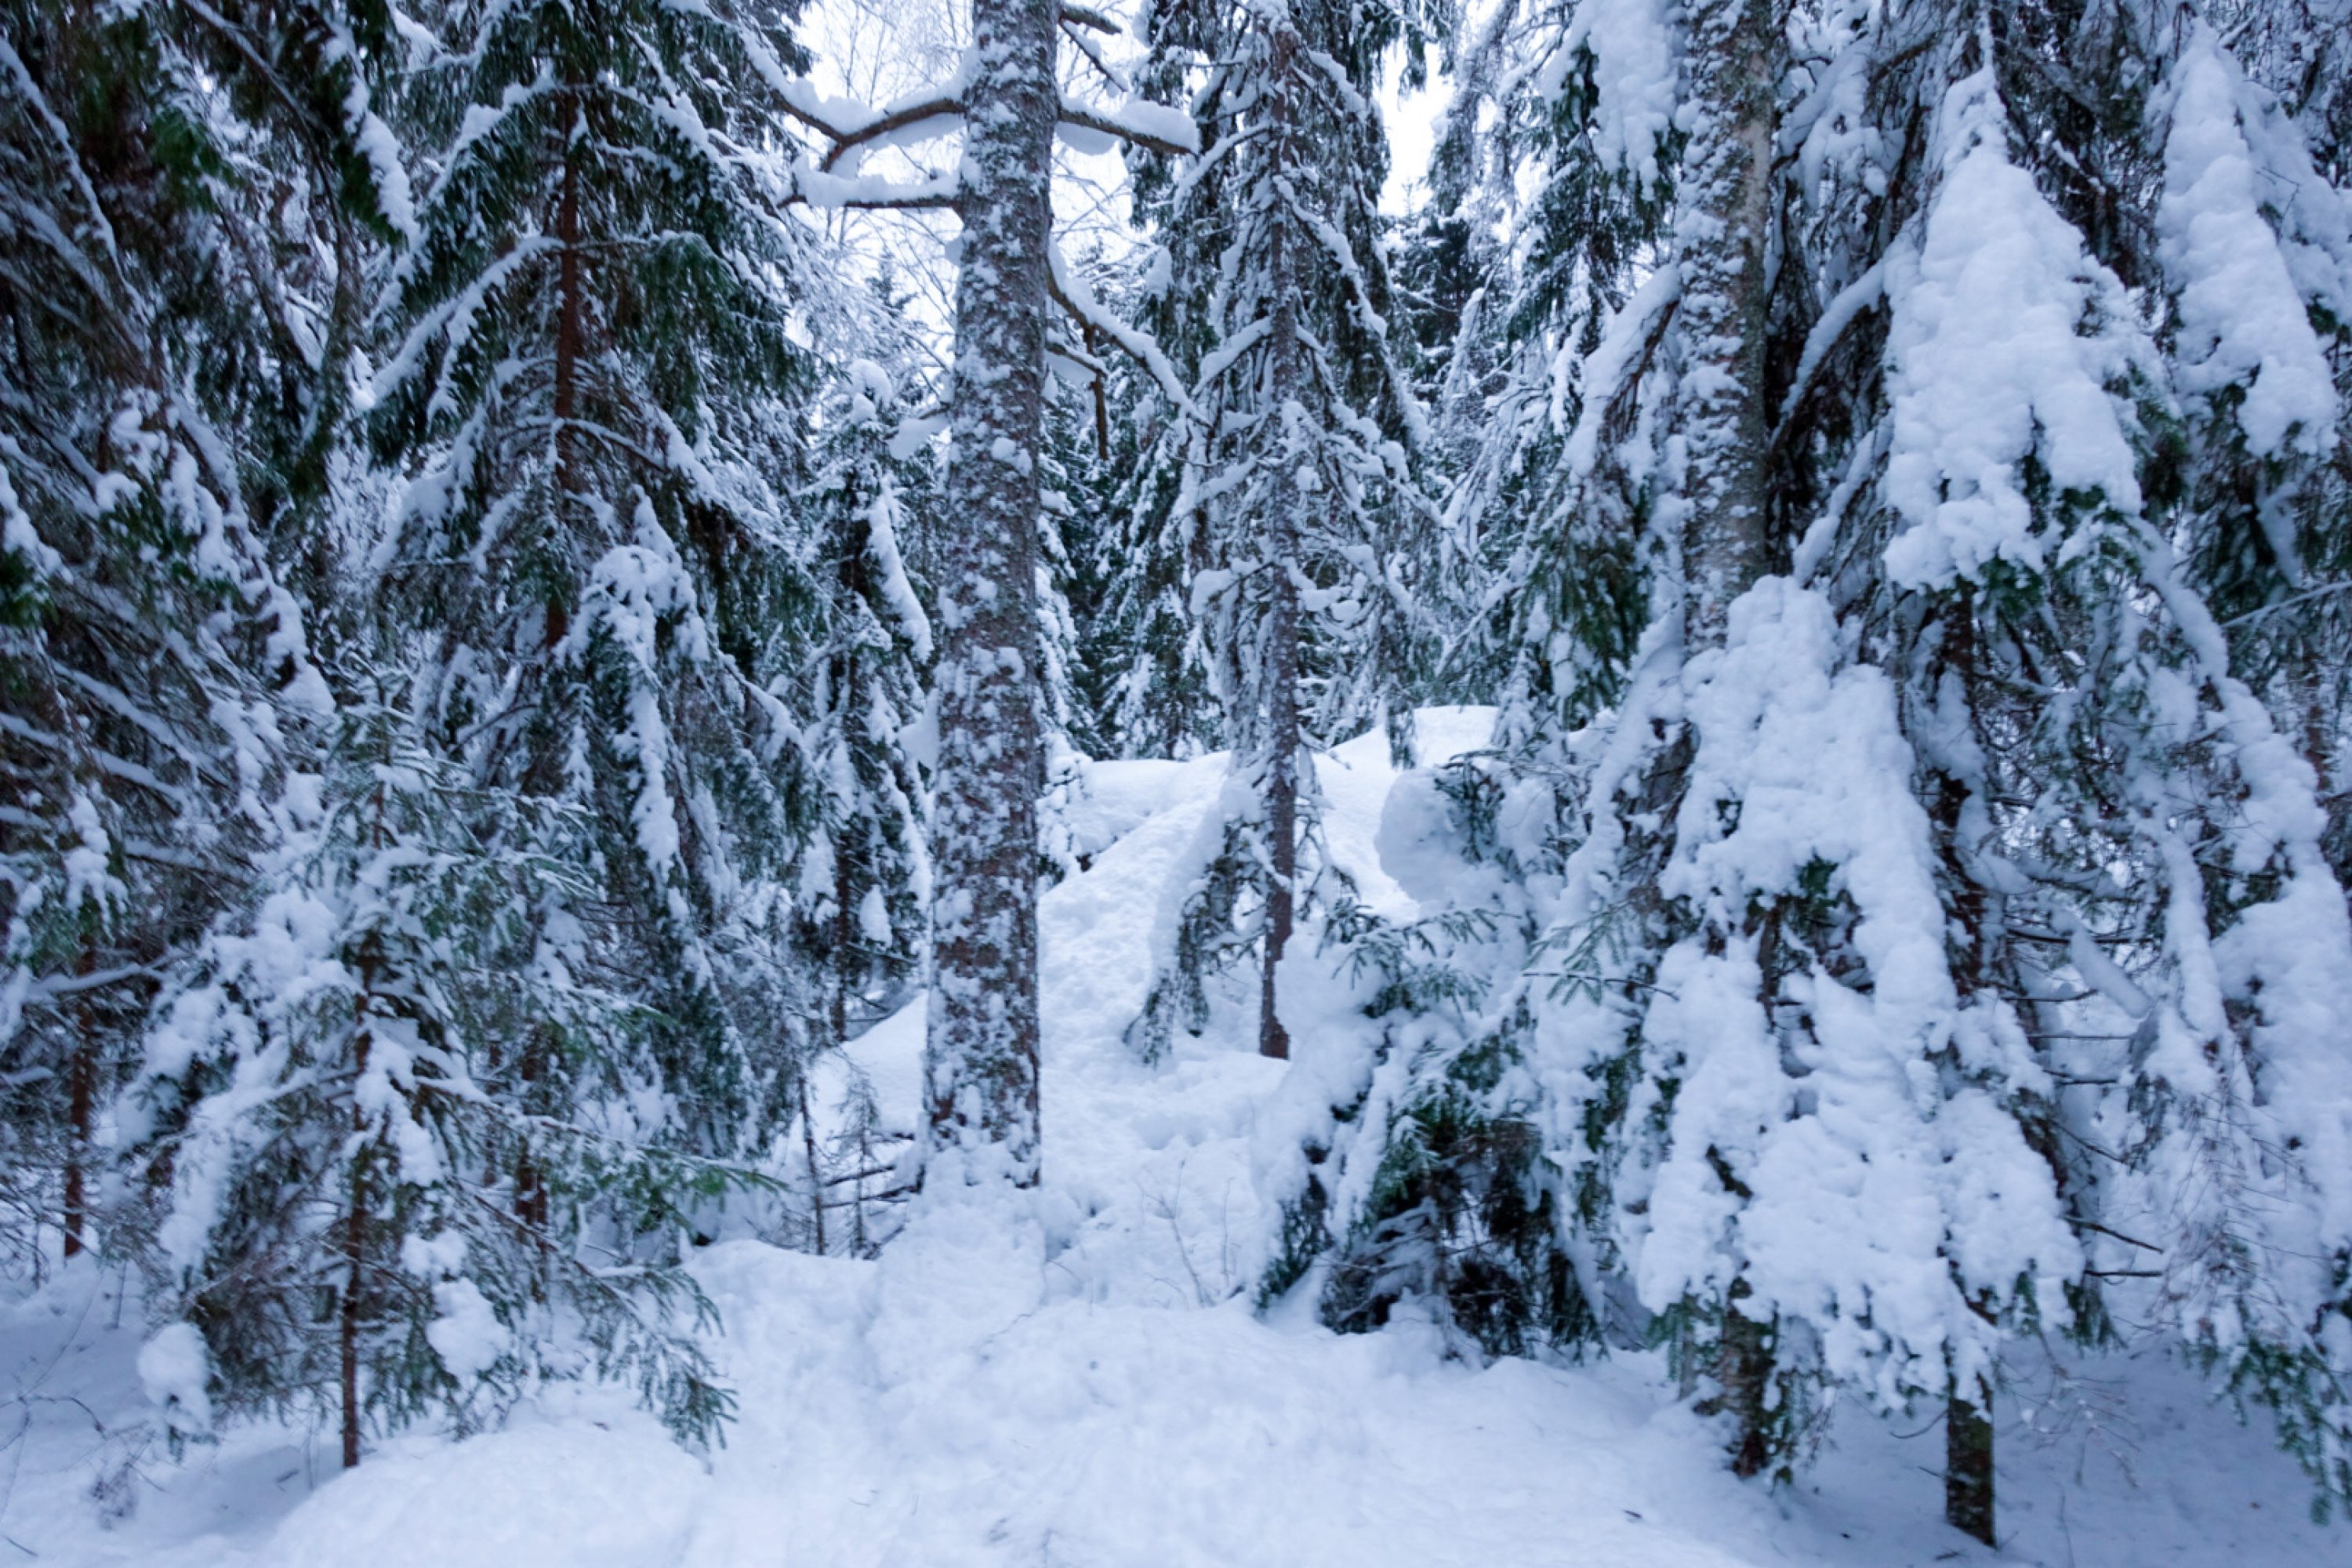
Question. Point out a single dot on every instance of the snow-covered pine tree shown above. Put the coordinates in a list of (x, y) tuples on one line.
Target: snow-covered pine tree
[(1069, 483), (1158, 699), (2256, 253), (380, 1210), (595, 391), (866, 877), (184, 198), (1294, 509), (1989, 643)]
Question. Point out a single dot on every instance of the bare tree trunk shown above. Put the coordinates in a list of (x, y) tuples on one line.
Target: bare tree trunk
[(1745, 1370), (979, 1055), (1278, 779), (348, 1330), (1968, 1461), (81, 1094), (1722, 234), (815, 1166)]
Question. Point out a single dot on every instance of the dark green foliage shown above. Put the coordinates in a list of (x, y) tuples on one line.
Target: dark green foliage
[(372, 1119), (595, 391)]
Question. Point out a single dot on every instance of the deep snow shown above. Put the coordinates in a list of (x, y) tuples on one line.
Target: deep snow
[(1081, 1381)]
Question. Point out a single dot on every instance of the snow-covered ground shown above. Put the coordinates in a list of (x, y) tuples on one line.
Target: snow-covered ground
[(1081, 1381)]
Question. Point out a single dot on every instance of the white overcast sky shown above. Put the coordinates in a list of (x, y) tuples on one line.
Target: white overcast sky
[(876, 50)]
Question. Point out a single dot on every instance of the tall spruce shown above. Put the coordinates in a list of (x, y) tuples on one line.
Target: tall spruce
[(523, 960), (597, 394), (1292, 506), (980, 1056), (186, 198)]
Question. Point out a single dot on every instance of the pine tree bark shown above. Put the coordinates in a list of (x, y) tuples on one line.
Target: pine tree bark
[(980, 1056), (1968, 1461), (1722, 234), (1746, 1373)]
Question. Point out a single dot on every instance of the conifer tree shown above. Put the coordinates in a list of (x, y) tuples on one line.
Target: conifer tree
[(1295, 506), (1955, 570), (188, 196), (374, 1216), (867, 877), (595, 391)]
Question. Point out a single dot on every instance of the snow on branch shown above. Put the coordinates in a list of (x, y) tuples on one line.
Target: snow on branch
[(1155, 127), (864, 193), (930, 114), (849, 126), (1073, 295)]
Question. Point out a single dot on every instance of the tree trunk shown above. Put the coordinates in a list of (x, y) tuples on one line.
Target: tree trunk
[(1745, 1371), (1722, 234), (81, 1094), (980, 1053), (348, 1330), (1278, 775), (815, 1166), (1968, 1462)]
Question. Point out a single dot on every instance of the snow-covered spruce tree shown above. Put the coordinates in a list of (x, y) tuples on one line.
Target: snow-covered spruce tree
[(2254, 247), (1160, 698), (186, 199), (1104, 413), (1297, 497), (867, 876), (1069, 483), (596, 395), (1962, 945), (380, 1211)]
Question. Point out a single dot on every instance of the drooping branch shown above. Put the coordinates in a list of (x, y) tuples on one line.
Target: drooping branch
[(1072, 294), (1172, 136)]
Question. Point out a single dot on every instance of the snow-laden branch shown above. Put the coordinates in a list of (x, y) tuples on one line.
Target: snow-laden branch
[(933, 114), (849, 127), (1836, 316), (861, 193), (1155, 127), (1072, 294)]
